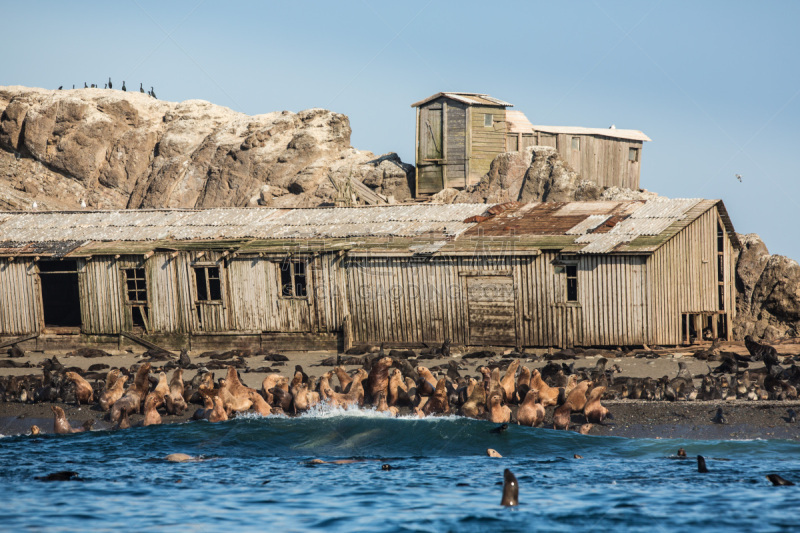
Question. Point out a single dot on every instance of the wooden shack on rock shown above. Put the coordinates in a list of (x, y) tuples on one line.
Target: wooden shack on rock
[(545, 274), (460, 134)]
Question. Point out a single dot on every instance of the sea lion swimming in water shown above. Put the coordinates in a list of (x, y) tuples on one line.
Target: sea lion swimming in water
[(510, 489), (491, 452), (777, 480), (35, 430), (701, 465)]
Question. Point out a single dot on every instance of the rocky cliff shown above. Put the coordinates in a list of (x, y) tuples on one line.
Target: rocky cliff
[(115, 149), (538, 174), (768, 287)]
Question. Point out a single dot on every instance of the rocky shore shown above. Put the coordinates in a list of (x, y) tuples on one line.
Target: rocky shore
[(763, 417)]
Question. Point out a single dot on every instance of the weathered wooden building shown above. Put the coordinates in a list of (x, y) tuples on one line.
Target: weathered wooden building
[(459, 135), (554, 274)]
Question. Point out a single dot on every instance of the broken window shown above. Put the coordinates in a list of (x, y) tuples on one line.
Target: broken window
[(136, 285), (576, 143), (209, 288), (572, 283), (488, 120), (633, 154), (293, 279)]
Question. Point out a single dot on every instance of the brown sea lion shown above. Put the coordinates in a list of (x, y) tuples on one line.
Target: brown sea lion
[(151, 416), (60, 424), (270, 382), (378, 380), (509, 380), (35, 430), (162, 388), (355, 396), (493, 453), (132, 400), (217, 413), (299, 394), (111, 395), (562, 416), (577, 397), (547, 395), (498, 413), (344, 379), (585, 429), (475, 406), (382, 406), (260, 406), (174, 401), (83, 390), (593, 410), (531, 412), (427, 383), (438, 402), (397, 390)]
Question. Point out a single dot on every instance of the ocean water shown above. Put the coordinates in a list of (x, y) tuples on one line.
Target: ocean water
[(256, 477)]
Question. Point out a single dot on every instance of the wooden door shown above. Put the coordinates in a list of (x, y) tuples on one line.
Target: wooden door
[(431, 150), (490, 310)]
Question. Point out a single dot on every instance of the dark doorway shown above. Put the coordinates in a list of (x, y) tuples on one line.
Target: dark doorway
[(60, 296)]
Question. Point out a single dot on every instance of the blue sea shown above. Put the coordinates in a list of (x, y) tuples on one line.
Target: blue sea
[(256, 476)]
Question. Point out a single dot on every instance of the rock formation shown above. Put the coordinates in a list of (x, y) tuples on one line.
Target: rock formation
[(538, 174), (114, 149), (768, 287)]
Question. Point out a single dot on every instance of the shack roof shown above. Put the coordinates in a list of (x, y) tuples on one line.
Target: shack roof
[(466, 98), (630, 135), (597, 227)]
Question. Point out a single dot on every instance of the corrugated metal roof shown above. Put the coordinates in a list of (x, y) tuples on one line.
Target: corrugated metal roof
[(631, 135), (242, 223), (517, 122), (466, 98), (590, 223)]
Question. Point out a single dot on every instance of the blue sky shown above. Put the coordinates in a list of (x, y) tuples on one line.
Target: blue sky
[(714, 84)]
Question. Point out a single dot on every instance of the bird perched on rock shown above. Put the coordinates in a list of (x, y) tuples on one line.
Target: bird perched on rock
[(153, 93), (109, 83), (141, 89), (123, 86), (60, 87)]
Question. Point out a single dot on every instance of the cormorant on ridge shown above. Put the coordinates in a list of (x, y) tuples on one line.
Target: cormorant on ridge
[(105, 86), (85, 86), (60, 87), (153, 93), (109, 83), (123, 86), (140, 88)]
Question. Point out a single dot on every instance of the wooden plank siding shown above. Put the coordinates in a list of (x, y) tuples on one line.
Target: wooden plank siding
[(456, 144), (683, 278), (20, 298), (600, 159), (486, 142)]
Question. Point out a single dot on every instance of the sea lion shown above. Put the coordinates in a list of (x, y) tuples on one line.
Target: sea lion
[(235, 396), (260, 406), (719, 418), (65, 475), (701, 465), (493, 453), (547, 395), (398, 392), (438, 403), (35, 430), (111, 395), (174, 401), (162, 387), (498, 413), (531, 412), (509, 380), (594, 411), (576, 456), (681, 453), (61, 426), (272, 381), (151, 416), (777, 480), (510, 489), (217, 413), (83, 390), (502, 428), (344, 378), (355, 396), (378, 380), (427, 383), (475, 406), (585, 429), (562, 416), (577, 397), (132, 400), (179, 458), (382, 406)]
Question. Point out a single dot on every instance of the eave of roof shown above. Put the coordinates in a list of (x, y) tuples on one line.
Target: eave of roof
[(466, 98)]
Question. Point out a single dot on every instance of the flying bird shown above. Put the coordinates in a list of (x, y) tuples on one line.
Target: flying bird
[(739, 177)]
